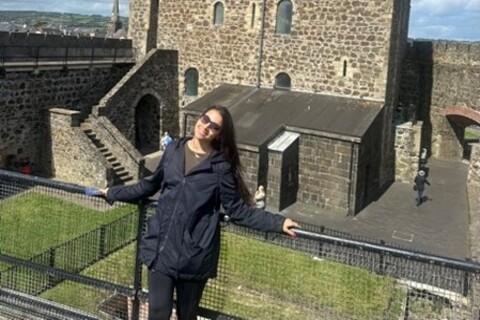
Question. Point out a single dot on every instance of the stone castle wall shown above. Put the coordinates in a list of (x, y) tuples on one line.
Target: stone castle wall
[(336, 47), (407, 149), (324, 172), (155, 75), (26, 98), (74, 157), (439, 75), (143, 26), (322, 39)]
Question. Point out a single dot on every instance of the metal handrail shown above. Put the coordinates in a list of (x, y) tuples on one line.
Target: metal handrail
[(382, 249), (392, 251)]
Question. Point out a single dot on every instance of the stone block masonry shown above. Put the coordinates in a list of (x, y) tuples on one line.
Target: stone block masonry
[(439, 76), (407, 150), (339, 47), (324, 172), (156, 76), (26, 98), (74, 158)]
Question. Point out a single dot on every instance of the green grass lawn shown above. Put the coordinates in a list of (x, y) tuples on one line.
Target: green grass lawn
[(258, 280), (471, 134), (263, 279), (32, 223)]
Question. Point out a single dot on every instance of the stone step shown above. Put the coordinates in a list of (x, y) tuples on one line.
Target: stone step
[(122, 173), (119, 168), (86, 129), (125, 179), (86, 126), (115, 164)]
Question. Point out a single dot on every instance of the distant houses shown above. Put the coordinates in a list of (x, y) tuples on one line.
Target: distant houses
[(59, 29)]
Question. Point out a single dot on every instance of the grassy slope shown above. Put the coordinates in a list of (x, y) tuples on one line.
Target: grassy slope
[(259, 280)]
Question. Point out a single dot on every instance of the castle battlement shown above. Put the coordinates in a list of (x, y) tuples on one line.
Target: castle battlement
[(443, 51), (23, 39), (24, 50)]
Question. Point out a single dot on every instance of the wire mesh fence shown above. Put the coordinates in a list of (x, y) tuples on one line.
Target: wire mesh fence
[(64, 255)]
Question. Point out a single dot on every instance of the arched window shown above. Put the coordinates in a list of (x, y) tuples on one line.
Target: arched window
[(218, 12), (283, 81), (191, 82), (284, 17)]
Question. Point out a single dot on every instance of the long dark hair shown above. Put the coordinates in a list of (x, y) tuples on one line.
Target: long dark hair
[(226, 143)]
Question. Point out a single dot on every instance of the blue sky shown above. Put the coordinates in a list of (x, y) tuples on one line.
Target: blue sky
[(429, 19)]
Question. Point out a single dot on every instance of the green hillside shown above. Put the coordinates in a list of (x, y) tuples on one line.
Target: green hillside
[(38, 19)]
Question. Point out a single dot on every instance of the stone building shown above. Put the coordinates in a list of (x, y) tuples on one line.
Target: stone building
[(331, 102), (339, 60)]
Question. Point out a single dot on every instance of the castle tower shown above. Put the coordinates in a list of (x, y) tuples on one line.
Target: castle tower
[(114, 25)]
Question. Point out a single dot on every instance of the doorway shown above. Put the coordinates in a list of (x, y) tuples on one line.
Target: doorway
[(147, 125)]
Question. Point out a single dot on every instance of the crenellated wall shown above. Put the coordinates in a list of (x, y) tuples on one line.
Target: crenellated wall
[(21, 50)]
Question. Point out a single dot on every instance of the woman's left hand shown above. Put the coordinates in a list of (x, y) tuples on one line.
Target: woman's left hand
[(287, 224)]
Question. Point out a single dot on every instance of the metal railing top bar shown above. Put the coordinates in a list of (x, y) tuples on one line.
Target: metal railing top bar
[(389, 250), (25, 303), (35, 180), (381, 248), (66, 275)]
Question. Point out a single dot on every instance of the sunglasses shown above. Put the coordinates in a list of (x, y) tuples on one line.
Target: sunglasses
[(205, 119)]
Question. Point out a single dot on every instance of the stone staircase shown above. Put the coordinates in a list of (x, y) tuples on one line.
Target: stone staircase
[(121, 175)]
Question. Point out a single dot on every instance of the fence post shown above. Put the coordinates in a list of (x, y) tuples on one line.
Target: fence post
[(103, 239), (382, 264), (137, 280), (51, 263), (466, 282), (321, 249)]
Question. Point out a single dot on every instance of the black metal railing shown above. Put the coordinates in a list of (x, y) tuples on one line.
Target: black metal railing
[(89, 267)]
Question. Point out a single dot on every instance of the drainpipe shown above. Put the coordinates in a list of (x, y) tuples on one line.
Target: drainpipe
[(262, 35)]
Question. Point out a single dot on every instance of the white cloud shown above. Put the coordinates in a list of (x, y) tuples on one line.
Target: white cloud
[(473, 5), (439, 7), (445, 19)]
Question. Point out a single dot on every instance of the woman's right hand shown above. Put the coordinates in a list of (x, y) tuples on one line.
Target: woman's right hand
[(287, 224)]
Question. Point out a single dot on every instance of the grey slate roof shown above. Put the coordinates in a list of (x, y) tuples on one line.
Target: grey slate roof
[(261, 113)]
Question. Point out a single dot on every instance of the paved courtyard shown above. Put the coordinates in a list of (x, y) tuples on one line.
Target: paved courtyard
[(439, 226)]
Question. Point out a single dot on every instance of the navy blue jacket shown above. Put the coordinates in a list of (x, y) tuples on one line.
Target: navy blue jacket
[(183, 237)]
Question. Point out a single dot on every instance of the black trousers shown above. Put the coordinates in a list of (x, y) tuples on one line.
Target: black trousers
[(160, 303)]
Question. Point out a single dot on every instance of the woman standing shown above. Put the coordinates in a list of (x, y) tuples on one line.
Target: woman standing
[(182, 244)]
